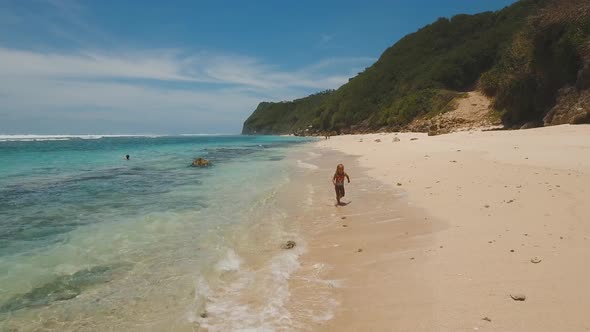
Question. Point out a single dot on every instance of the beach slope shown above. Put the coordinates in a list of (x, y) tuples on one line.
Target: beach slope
[(483, 217)]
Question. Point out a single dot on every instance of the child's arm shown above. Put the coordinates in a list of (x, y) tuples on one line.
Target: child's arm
[(334, 179), (346, 174)]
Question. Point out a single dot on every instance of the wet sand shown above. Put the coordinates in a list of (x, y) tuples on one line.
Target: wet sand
[(442, 230)]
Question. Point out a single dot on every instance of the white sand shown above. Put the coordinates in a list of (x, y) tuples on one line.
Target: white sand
[(484, 194)]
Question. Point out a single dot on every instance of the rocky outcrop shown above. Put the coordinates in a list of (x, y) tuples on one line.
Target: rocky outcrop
[(573, 102), (468, 112), (573, 107)]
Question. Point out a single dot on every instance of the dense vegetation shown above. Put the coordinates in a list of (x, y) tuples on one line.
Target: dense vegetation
[(521, 55), (544, 56)]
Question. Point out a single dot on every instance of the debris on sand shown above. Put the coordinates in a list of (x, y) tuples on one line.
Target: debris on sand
[(518, 297), (396, 139), (288, 245), (413, 139), (535, 260), (487, 319)]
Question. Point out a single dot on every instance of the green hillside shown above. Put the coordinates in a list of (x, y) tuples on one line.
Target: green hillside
[(520, 55)]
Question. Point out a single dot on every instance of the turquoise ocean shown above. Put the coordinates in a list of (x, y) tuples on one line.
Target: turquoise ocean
[(91, 241)]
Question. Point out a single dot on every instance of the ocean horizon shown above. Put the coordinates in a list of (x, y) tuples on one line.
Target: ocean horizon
[(55, 137)]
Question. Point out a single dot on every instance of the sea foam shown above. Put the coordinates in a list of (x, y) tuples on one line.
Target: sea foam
[(302, 164)]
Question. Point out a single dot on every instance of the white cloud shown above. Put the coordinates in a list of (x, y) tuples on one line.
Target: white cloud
[(18, 63), (162, 85), (95, 83)]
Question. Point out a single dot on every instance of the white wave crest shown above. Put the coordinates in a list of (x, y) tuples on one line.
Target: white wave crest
[(231, 262), (34, 138)]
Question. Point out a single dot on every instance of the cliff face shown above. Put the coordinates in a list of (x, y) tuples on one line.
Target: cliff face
[(520, 56), (573, 102)]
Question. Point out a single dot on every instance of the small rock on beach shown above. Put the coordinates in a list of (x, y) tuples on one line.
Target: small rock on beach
[(288, 245), (535, 260)]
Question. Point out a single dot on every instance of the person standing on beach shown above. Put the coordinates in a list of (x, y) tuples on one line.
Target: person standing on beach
[(338, 181)]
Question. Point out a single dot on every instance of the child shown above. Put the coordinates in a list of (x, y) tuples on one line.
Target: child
[(338, 181)]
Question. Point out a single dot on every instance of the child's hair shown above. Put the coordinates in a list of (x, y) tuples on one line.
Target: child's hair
[(339, 167)]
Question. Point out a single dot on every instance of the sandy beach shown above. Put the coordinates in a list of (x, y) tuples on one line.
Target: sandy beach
[(441, 231)]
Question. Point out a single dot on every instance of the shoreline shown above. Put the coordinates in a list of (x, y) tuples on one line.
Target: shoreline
[(480, 207)]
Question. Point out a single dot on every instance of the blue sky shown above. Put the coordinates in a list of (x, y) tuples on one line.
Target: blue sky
[(172, 67)]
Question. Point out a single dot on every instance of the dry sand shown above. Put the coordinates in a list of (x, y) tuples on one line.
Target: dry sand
[(448, 226)]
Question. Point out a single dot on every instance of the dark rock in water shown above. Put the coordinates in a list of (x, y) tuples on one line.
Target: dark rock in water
[(487, 319), (396, 139), (535, 260), (61, 289), (360, 250), (204, 315), (518, 297), (288, 245), (413, 139), (201, 162)]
